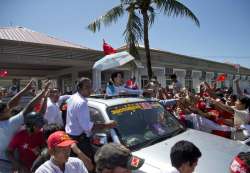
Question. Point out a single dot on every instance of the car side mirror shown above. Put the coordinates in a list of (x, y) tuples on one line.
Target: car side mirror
[(99, 139)]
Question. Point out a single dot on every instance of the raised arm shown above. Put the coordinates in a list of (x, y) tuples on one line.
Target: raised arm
[(199, 112), (14, 101), (35, 100), (238, 90), (44, 103), (210, 90), (168, 102), (88, 163), (222, 106)]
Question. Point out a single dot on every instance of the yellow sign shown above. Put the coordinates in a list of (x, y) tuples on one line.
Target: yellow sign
[(126, 108), (135, 106)]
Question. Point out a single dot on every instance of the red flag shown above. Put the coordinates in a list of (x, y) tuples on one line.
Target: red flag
[(108, 49), (221, 78), (3, 73)]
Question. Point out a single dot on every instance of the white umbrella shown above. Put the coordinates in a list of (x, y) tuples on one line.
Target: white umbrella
[(108, 62), (113, 61)]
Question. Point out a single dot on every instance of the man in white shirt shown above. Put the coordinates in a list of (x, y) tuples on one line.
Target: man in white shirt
[(184, 157), (53, 114), (59, 144), (78, 124)]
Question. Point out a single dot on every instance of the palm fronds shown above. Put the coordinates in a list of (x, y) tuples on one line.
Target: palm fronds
[(133, 32), (175, 8), (110, 17)]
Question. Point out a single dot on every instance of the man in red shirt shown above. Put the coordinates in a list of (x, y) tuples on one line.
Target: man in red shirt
[(27, 143)]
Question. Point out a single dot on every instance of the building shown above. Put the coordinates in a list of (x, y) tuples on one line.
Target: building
[(28, 54), (189, 70)]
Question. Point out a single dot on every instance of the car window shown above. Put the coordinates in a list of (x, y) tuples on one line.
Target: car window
[(142, 121), (96, 117)]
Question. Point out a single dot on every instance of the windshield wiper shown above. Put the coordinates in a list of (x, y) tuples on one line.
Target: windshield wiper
[(158, 139)]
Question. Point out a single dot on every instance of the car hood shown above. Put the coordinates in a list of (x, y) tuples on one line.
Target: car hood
[(217, 152)]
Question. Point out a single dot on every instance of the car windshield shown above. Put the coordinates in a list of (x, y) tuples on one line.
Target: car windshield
[(143, 123)]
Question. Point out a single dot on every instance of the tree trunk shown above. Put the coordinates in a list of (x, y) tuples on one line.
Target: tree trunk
[(146, 43)]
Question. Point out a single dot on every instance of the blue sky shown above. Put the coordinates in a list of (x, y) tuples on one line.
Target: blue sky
[(224, 34)]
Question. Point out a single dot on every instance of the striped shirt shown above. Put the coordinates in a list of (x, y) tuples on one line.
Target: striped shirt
[(73, 165)]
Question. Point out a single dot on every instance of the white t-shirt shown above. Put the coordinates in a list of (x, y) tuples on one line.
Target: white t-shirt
[(73, 165), (7, 130), (53, 113), (78, 117)]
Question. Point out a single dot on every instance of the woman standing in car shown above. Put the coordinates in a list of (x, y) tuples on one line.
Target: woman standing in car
[(116, 87)]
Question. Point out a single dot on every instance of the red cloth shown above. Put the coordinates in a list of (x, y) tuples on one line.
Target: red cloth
[(27, 146), (108, 49), (37, 107), (131, 84), (205, 94), (201, 105), (221, 78), (182, 118), (3, 73), (218, 117), (222, 133)]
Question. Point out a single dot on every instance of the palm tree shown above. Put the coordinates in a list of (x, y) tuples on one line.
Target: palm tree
[(141, 14)]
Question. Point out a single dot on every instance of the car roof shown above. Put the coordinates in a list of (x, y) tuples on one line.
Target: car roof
[(118, 101)]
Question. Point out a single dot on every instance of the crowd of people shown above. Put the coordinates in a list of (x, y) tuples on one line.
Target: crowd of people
[(52, 132)]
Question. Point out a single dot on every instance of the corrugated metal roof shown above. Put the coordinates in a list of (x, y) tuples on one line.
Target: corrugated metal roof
[(27, 35)]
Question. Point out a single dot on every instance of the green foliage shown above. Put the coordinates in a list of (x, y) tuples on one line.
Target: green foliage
[(110, 17), (176, 9)]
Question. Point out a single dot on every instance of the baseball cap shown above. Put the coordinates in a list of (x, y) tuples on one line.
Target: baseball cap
[(34, 119), (59, 139), (113, 155)]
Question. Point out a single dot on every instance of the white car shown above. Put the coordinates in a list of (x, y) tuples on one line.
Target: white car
[(150, 131)]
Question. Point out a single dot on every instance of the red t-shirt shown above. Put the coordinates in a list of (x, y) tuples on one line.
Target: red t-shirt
[(27, 145)]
